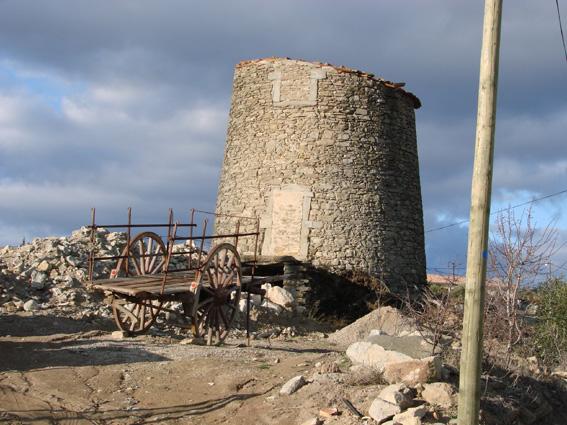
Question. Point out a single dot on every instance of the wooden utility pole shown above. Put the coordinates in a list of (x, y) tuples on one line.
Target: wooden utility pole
[(477, 254)]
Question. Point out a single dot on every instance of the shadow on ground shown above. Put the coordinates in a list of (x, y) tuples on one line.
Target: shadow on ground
[(43, 325), (296, 350), (42, 341), (23, 356), (155, 415), (509, 399)]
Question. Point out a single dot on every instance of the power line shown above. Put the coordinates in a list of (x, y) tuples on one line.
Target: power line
[(557, 266), (445, 268), (447, 226), (561, 192), (561, 28)]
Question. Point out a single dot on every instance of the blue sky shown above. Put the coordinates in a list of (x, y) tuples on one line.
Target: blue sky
[(117, 104)]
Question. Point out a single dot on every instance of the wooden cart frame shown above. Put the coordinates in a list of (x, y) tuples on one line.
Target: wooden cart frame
[(209, 288)]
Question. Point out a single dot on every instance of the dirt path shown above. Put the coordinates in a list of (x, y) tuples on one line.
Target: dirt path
[(58, 370)]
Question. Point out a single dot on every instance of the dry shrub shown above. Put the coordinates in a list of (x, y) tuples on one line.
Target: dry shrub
[(438, 313), (362, 376), (518, 252)]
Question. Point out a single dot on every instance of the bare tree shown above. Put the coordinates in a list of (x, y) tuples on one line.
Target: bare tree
[(436, 313), (518, 253)]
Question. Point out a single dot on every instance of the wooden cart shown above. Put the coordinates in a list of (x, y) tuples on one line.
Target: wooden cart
[(208, 287)]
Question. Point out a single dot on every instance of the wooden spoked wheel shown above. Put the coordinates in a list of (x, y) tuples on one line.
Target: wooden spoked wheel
[(218, 294), (146, 255), (135, 317)]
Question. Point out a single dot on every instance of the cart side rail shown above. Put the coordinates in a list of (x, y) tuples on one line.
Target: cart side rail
[(199, 240)]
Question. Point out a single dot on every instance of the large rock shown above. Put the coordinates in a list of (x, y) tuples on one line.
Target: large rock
[(411, 416), (280, 296), (293, 385), (414, 346), (396, 366), (386, 319), (374, 355), (414, 371), (381, 410), (439, 394), (398, 394)]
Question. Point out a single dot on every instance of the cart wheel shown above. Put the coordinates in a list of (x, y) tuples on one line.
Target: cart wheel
[(135, 317), (219, 294), (146, 255)]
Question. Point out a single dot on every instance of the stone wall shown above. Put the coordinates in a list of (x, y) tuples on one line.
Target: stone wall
[(326, 157)]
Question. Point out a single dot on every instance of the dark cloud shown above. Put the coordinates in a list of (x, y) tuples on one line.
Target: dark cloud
[(126, 103)]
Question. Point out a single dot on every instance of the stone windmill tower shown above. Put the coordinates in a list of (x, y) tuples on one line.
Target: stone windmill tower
[(326, 157)]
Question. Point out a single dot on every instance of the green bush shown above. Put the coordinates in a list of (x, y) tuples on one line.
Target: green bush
[(458, 293), (551, 332), (437, 290)]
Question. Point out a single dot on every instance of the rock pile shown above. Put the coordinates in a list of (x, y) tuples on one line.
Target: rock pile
[(403, 375), (398, 404), (49, 272), (405, 361)]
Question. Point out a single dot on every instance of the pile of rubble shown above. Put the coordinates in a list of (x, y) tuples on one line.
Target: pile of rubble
[(51, 273), (417, 386), (391, 374), (411, 369)]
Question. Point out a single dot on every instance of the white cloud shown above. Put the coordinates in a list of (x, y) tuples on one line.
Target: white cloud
[(141, 99)]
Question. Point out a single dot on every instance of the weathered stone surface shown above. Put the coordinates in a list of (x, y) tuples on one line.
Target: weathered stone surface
[(411, 416), (374, 355), (293, 385), (43, 266), (38, 280), (386, 319), (299, 131), (413, 372), (414, 346), (280, 296), (398, 394), (273, 307), (31, 305), (381, 410), (439, 394)]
